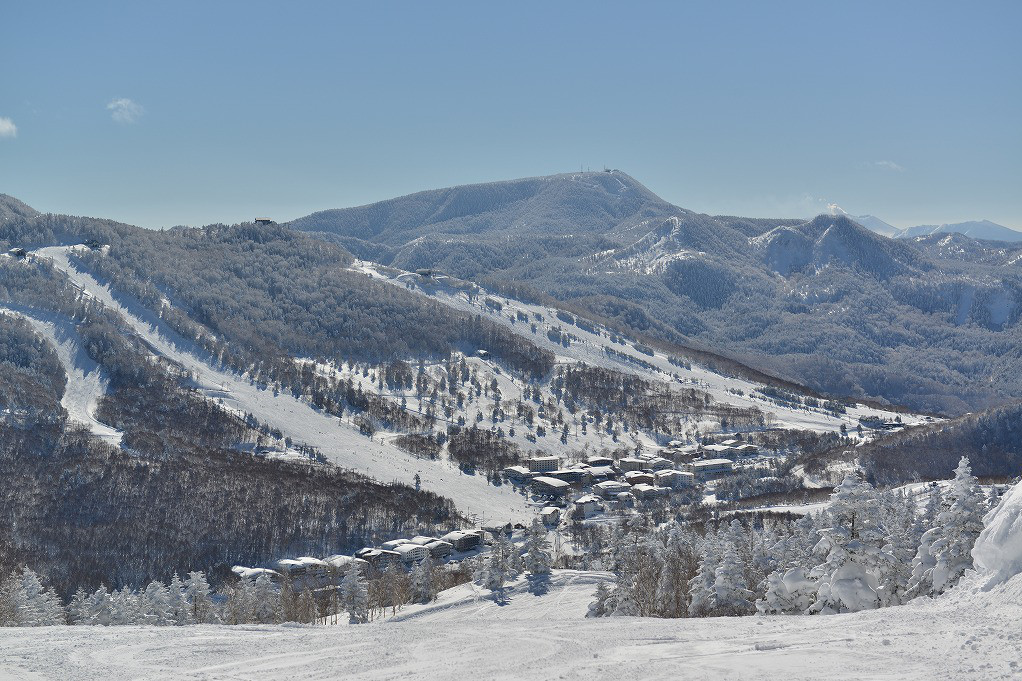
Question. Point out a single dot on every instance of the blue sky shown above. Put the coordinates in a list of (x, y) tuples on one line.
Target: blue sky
[(189, 113)]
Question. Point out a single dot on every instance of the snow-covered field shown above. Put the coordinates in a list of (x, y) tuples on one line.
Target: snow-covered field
[(339, 442), (968, 634)]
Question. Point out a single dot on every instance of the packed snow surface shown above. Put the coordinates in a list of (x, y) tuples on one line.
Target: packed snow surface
[(85, 381), (967, 635), (340, 443)]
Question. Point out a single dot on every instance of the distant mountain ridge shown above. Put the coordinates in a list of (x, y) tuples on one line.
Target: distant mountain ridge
[(827, 302), (977, 229)]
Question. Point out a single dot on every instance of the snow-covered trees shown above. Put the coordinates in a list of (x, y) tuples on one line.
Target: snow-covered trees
[(945, 552), (423, 588), (197, 593), (25, 602), (265, 599), (355, 595), (154, 604), (788, 592), (498, 568), (730, 592), (537, 550), (700, 587), (855, 570), (600, 607), (672, 587)]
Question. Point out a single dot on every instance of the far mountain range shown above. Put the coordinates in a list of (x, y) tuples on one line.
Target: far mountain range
[(931, 322), (977, 229)]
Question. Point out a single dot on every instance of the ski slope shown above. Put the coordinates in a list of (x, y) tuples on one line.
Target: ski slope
[(340, 443), (967, 634), (85, 380), (592, 348)]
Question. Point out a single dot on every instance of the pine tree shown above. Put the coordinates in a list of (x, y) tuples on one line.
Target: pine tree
[(672, 587), (266, 605), (855, 572), (197, 592), (649, 563), (238, 603), (155, 604), (602, 606), (957, 530), (28, 603), (98, 608), (788, 592), (900, 521), (355, 595), (78, 608), (731, 595), (537, 550), (125, 607), (422, 581), (920, 583), (623, 596), (497, 568), (180, 609), (700, 588)]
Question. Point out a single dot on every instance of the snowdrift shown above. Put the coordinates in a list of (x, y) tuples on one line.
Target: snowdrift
[(998, 551)]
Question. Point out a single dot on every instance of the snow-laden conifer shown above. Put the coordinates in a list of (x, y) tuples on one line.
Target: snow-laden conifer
[(855, 570)]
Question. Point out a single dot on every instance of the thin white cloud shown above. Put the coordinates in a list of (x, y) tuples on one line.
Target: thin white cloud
[(835, 209), (124, 110), (889, 165), (8, 128), (803, 205)]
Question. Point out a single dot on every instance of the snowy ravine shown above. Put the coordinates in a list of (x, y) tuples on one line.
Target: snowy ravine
[(85, 380), (340, 443)]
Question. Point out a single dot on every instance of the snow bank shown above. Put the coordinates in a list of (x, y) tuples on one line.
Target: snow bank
[(998, 550)]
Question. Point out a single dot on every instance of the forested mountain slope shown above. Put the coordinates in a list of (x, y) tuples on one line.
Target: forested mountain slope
[(183, 489), (11, 208), (824, 302)]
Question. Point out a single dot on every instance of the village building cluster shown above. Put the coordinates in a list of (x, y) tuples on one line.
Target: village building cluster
[(573, 492), (626, 480)]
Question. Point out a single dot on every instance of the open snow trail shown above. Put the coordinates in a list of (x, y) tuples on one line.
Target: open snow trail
[(85, 380), (340, 443), (969, 635)]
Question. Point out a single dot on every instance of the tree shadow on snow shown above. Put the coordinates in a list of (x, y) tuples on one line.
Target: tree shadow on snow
[(538, 584)]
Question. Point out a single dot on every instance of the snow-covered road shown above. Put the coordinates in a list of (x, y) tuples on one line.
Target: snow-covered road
[(340, 443)]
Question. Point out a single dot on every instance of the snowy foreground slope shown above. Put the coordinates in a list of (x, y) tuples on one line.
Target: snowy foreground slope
[(965, 635), (972, 632)]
